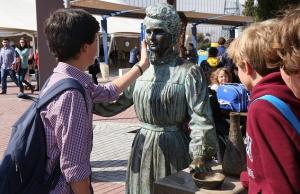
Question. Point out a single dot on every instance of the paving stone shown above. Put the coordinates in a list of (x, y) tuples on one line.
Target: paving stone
[(111, 143)]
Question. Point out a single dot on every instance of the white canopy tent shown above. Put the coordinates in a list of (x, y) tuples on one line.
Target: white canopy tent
[(19, 17)]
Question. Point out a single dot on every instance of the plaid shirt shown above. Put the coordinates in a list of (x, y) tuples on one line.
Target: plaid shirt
[(7, 57), (68, 126)]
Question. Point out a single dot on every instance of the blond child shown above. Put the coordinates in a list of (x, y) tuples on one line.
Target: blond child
[(286, 49), (273, 145), (220, 76)]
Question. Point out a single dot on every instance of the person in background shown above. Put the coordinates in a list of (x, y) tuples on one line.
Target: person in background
[(68, 117), (221, 76), (37, 67), (7, 60), (191, 53), (94, 69), (31, 69), (211, 64), (273, 145), (134, 55), (23, 52), (221, 48), (228, 62)]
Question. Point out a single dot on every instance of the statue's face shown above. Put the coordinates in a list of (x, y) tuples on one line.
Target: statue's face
[(159, 41)]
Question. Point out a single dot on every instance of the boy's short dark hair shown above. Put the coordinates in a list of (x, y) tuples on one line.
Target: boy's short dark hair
[(213, 52), (67, 30), (221, 41), (6, 39)]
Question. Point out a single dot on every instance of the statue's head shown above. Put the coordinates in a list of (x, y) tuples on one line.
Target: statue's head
[(162, 25)]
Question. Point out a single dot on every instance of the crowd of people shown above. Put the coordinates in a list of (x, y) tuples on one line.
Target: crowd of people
[(16, 62), (168, 93)]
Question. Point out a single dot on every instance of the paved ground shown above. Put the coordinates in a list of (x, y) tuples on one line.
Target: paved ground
[(112, 141)]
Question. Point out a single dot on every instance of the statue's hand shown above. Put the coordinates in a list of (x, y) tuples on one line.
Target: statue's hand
[(144, 62), (200, 166)]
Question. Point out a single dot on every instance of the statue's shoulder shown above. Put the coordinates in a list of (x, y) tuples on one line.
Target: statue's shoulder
[(185, 64)]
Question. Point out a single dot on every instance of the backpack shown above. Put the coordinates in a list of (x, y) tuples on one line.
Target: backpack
[(284, 109), (23, 167), (233, 97)]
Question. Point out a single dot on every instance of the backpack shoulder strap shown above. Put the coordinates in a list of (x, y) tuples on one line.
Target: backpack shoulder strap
[(52, 92), (59, 87), (284, 109)]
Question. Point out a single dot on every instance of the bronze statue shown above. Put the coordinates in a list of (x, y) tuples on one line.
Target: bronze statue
[(171, 92)]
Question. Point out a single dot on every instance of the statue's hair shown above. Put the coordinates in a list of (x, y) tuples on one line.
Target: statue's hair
[(167, 15)]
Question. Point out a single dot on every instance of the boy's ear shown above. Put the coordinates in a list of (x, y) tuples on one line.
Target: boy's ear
[(83, 48), (248, 67)]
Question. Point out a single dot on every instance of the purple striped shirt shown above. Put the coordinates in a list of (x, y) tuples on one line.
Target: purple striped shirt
[(68, 126)]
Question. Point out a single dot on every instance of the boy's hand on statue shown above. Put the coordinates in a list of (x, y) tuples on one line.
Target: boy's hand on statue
[(200, 166), (144, 62)]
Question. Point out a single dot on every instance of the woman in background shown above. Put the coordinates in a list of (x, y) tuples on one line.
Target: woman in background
[(23, 52)]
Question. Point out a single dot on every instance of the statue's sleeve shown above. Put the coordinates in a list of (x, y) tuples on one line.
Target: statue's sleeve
[(108, 109), (203, 135)]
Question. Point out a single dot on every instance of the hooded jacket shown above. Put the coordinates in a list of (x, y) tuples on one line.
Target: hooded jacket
[(273, 145)]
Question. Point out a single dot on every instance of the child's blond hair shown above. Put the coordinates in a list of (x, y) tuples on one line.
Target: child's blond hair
[(285, 50), (253, 45), (215, 74)]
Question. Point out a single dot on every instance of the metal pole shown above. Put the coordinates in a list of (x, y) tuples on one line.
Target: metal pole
[(104, 38), (194, 35)]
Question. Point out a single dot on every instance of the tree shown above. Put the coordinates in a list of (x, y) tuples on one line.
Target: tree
[(172, 2), (249, 8), (271, 8), (266, 9)]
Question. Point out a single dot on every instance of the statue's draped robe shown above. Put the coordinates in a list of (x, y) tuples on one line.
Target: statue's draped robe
[(165, 97)]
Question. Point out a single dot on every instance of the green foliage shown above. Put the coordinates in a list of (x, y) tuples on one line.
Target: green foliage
[(249, 8), (266, 9)]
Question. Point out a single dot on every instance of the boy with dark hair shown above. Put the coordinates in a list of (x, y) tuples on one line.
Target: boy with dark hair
[(221, 48), (273, 145), (71, 35), (191, 53), (134, 55), (211, 64)]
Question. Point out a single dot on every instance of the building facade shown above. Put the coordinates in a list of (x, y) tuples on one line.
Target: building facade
[(213, 32)]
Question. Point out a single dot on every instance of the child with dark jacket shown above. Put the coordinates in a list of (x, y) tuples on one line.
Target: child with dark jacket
[(94, 69)]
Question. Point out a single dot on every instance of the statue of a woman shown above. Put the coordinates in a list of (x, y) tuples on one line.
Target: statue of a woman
[(170, 92)]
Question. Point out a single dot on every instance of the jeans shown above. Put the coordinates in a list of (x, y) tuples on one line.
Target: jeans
[(4, 74), (37, 77), (21, 79)]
